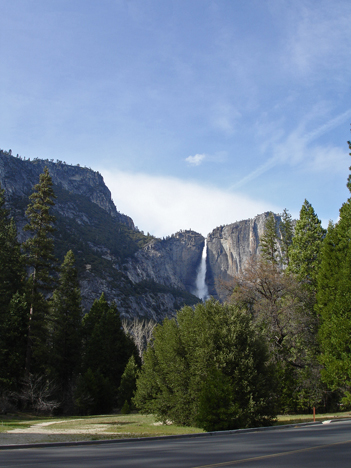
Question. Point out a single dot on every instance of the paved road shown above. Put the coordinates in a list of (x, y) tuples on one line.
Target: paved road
[(310, 446)]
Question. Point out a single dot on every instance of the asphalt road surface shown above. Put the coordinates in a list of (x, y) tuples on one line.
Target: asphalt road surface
[(322, 445)]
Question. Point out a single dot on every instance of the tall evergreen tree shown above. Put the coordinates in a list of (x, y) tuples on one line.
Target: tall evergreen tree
[(66, 318), (269, 241), (106, 348), (304, 251), (127, 388), (334, 302), (286, 233), (11, 264), (13, 307), (13, 342), (41, 261)]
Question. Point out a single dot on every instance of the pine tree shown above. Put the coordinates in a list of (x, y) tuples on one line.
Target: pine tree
[(11, 264), (335, 330), (127, 388), (13, 342), (334, 302), (287, 233), (305, 248), (41, 261), (332, 254), (269, 241), (106, 348), (66, 317), (13, 307)]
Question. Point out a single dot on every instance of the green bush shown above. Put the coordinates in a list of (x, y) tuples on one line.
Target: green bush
[(207, 367), (125, 408)]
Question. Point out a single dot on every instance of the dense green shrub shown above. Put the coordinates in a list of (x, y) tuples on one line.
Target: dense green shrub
[(208, 367)]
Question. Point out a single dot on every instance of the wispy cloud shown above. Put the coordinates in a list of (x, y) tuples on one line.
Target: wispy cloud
[(319, 36), (225, 117), (198, 158), (195, 160), (295, 149), (329, 159), (164, 205)]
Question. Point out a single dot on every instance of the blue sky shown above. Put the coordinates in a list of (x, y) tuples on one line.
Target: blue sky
[(196, 112)]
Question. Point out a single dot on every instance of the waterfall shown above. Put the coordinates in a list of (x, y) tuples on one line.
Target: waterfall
[(201, 286)]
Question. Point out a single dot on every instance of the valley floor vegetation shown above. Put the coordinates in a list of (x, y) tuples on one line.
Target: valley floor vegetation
[(279, 345), (30, 429)]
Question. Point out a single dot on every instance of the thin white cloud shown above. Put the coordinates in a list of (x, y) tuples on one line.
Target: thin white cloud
[(198, 159), (336, 121), (164, 205), (319, 36), (195, 160), (327, 159), (269, 164), (225, 117), (295, 150)]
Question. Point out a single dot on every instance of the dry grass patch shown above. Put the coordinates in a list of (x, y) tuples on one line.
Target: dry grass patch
[(18, 431), (301, 418), (26, 429)]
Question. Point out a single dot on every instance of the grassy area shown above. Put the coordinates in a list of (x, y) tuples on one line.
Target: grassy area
[(95, 427), (301, 418), (10, 422), (33, 429)]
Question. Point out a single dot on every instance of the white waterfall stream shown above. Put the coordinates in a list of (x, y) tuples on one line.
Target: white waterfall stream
[(201, 286)]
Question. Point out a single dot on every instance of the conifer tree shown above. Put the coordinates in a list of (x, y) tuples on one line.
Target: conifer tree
[(41, 261), (287, 233), (332, 253), (334, 302), (334, 305), (127, 388), (13, 306), (11, 264), (66, 317), (304, 252), (106, 348), (269, 241), (13, 342)]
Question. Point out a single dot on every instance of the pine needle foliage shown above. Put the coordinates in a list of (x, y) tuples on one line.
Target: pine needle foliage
[(286, 233), (304, 252), (66, 327), (334, 302), (41, 263), (13, 305), (269, 245)]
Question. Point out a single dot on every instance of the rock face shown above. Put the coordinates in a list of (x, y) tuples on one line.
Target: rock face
[(228, 249), (18, 176), (154, 282), (145, 276), (171, 262)]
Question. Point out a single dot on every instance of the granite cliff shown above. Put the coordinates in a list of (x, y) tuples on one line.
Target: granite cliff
[(145, 276), (17, 177), (228, 249)]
